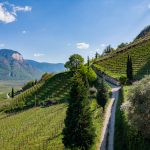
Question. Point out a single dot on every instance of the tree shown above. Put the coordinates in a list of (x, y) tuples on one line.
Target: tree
[(108, 50), (122, 45), (78, 132), (88, 62), (129, 70), (12, 93), (74, 62), (96, 55), (102, 94), (89, 73), (139, 107)]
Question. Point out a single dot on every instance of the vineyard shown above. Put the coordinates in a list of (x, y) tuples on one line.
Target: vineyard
[(55, 87), (115, 64), (39, 127)]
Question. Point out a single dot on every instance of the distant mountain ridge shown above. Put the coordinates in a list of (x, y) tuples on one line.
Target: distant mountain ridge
[(46, 67), (14, 67)]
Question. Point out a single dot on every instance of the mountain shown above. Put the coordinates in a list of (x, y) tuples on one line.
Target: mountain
[(14, 67), (46, 67)]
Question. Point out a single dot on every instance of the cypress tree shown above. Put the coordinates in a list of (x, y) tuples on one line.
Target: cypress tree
[(129, 69), (102, 95), (78, 132), (88, 63), (128, 65), (12, 93), (96, 55)]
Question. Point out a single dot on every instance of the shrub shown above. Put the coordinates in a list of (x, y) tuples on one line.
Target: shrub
[(123, 80), (139, 109)]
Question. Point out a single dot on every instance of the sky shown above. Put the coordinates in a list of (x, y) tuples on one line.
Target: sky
[(52, 30)]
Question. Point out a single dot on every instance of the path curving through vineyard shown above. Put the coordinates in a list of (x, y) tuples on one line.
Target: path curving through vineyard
[(107, 136)]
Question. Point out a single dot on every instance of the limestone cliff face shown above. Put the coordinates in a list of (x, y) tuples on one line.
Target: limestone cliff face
[(13, 66)]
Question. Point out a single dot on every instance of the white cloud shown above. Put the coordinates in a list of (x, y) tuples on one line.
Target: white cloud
[(38, 54), (2, 45), (24, 32), (6, 16), (82, 45), (9, 15), (19, 8)]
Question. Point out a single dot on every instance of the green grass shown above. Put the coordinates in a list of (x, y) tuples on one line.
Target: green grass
[(115, 63), (125, 136)]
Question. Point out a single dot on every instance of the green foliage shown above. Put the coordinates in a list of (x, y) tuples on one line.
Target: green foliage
[(131, 139), (89, 72), (108, 50), (88, 61), (102, 95), (75, 61), (96, 55), (79, 132), (122, 45), (123, 80), (139, 107), (46, 76), (129, 69), (12, 93)]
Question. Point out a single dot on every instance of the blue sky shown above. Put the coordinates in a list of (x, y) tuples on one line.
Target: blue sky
[(52, 30)]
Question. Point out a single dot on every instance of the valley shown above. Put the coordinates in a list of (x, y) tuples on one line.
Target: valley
[(75, 75)]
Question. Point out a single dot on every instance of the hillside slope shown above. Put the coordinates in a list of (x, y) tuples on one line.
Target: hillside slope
[(115, 63), (50, 87), (37, 127)]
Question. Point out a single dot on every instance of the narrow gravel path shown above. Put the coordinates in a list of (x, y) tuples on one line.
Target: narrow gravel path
[(107, 137)]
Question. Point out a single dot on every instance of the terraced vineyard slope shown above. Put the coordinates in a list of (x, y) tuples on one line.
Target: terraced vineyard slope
[(38, 127), (115, 63), (54, 87)]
